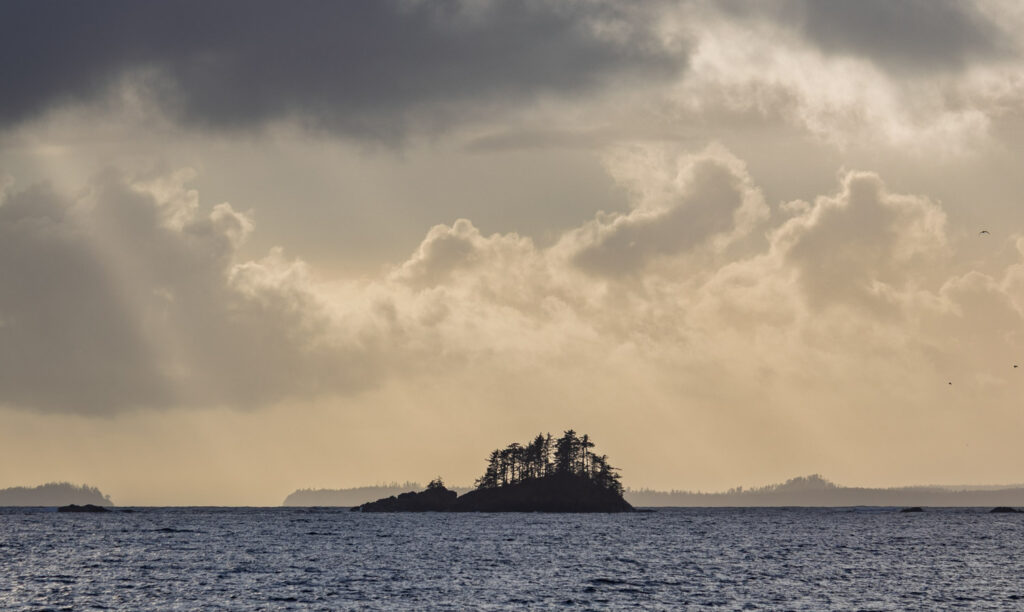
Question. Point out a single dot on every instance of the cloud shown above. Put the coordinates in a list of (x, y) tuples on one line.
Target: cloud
[(117, 299), (934, 79), (908, 35), (860, 284), (133, 295), (443, 251), (710, 200), (931, 78), (368, 68), (864, 245), (742, 76)]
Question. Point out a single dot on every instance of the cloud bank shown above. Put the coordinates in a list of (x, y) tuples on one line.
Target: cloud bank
[(129, 294), (366, 68), (381, 70)]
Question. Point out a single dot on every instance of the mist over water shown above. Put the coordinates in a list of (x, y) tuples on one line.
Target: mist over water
[(753, 558)]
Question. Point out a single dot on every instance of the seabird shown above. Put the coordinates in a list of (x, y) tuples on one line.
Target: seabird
[(983, 233)]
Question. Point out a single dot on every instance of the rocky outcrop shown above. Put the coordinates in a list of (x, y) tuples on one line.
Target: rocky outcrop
[(913, 509), (433, 499), (555, 493), (85, 508)]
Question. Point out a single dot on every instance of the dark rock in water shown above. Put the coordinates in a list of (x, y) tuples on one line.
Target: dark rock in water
[(85, 508), (1003, 509), (555, 493), (913, 509), (434, 499)]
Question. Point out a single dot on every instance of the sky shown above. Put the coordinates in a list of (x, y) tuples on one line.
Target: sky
[(250, 247)]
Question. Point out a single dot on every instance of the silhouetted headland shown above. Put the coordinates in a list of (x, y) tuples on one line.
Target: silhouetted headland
[(53, 494), (544, 475), (1004, 509)]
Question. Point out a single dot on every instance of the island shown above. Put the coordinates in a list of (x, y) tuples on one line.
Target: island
[(816, 491), (354, 496), (544, 475), (54, 494), (86, 509)]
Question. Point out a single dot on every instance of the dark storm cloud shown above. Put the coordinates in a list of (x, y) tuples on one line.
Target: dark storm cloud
[(359, 66), (898, 35), (905, 34)]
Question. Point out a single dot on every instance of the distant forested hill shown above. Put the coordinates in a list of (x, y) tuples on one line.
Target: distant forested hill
[(801, 491), (356, 496), (53, 494), (816, 491)]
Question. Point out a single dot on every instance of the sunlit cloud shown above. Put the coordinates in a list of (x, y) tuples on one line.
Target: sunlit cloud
[(156, 310)]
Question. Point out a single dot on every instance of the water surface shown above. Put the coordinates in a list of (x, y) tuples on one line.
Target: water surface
[(731, 558)]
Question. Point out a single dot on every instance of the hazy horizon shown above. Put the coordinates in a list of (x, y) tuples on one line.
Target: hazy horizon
[(247, 248), (812, 489)]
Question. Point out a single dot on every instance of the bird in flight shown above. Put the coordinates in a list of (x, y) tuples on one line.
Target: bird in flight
[(983, 233)]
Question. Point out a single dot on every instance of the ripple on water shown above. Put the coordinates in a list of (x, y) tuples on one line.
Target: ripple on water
[(800, 559)]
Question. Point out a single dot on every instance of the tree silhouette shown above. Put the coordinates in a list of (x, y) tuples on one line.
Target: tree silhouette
[(490, 479), (565, 453), (518, 463)]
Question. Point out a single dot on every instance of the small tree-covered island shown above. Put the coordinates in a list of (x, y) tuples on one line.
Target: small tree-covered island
[(545, 475)]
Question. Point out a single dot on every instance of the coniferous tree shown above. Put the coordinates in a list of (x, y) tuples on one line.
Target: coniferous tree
[(571, 455), (515, 458), (546, 455), (535, 457), (585, 445), (565, 453), (490, 478), (506, 465)]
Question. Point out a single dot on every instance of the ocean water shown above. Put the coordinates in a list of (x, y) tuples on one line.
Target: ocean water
[(671, 559)]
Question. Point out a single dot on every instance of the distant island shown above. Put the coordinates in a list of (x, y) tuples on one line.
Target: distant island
[(54, 494), (544, 475), (355, 496), (814, 490)]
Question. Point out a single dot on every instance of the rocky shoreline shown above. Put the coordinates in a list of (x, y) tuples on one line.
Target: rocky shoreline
[(555, 493)]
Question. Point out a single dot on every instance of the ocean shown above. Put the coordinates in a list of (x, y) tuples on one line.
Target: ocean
[(669, 559)]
